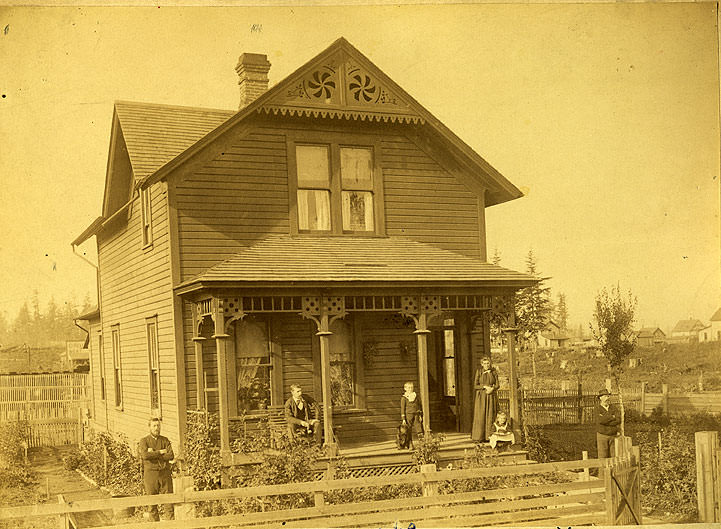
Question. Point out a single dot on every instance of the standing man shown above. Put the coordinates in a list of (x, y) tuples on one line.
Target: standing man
[(607, 420), (156, 453), (301, 414)]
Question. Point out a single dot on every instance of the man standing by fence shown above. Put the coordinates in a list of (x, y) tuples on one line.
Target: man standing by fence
[(156, 453), (607, 420)]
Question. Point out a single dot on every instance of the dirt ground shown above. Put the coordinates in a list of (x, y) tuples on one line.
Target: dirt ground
[(54, 479)]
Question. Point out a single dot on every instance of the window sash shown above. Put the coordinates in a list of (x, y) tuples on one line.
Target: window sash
[(343, 384), (153, 363), (356, 168), (358, 211), (313, 166), (146, 214), (314, 210), (101, 361), (117, 380)]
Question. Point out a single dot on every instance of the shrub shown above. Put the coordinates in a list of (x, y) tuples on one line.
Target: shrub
[(124, 470), (426, 448), (202, 454), (14, 469), (73, 459)]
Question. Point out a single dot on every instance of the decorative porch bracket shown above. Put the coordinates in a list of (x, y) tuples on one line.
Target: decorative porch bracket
[(421, 309), (503, 310), (324, 311)]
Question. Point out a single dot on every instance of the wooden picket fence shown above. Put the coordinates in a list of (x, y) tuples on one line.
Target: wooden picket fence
[(49, 402), (612, 499)]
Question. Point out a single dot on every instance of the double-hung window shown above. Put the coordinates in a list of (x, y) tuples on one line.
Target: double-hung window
[(253, 364), (337, 187), (146, 216), (342, 365), (151, 332), (117, 375), (101, 361)]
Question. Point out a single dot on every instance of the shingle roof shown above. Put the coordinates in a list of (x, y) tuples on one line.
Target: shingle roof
[(155, 134), (716, 316), (688, 326), (648, 332), (283, 259)]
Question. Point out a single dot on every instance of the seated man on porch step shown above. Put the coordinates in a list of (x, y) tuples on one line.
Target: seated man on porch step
[(301, 414)]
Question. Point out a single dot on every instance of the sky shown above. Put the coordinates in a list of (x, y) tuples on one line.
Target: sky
[(605, 115)]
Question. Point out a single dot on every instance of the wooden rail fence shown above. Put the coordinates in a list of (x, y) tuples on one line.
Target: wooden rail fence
[(49, 402), (613, 499), (577, 406)]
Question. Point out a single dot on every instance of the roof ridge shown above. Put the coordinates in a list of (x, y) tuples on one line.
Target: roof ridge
[(148, 104)]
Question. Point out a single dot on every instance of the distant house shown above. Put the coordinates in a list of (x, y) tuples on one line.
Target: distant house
[(75, 353), (689, 330), (650, 336), (714, 330), (553, 337)]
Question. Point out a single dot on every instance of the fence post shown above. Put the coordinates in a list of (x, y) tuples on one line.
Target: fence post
[(622, 446), (579, 403), (430, 488), (610, 496), (643, 399), (664, 398), (585, 475), (707, 479), (181, 485)]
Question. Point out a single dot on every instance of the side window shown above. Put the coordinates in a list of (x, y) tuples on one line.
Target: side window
[(151, 332), (117, 374), (146, 216), (253, 364), (101, 362)]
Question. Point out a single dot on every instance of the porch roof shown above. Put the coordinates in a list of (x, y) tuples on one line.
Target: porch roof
[(293, 261)]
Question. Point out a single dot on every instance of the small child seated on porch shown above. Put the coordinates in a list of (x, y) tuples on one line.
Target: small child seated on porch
[(411, 416), (502, 434)]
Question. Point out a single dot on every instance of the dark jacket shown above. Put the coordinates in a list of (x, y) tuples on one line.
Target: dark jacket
[(294, 415), (411, 409), (149, 451), (607, 421)]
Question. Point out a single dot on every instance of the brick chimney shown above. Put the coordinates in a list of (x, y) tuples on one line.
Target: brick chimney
[(252, 71)]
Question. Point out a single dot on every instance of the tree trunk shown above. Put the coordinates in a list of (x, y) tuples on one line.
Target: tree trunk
[(533, 363), (620, 406)]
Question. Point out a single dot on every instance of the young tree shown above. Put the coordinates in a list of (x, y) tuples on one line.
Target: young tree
[(532, 310), (614, 321), (496, 259), (561, 313)]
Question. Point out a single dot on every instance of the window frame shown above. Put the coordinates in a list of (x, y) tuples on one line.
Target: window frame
[(335, 141), (266, 322), (146, 216), (153, 348), (117, 366), (101, 363)]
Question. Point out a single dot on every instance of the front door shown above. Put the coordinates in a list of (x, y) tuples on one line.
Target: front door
[(443, 378)]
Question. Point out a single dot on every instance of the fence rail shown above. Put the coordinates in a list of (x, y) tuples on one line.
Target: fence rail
[(49, 402), (572, 406), (577, 501)]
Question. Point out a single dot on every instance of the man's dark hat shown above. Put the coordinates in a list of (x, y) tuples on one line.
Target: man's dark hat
[(604, 391)]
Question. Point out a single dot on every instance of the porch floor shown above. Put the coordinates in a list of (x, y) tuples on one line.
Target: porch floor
[(453, 448)]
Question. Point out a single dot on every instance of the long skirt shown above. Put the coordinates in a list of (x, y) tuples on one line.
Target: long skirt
[(485, 408)]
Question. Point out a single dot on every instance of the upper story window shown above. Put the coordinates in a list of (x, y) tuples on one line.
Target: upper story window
[(146, 216), (337, 188)]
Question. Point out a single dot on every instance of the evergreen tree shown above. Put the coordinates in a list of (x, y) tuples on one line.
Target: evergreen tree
[(532, 310), (562, 312), (496, 259), (22, 326)]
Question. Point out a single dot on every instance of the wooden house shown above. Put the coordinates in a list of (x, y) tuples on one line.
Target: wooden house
[(689, 331), (715, 326), (329, 233), (650, 336), (553, 337)]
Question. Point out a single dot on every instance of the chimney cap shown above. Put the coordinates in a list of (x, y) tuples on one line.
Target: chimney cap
[(259, 59)]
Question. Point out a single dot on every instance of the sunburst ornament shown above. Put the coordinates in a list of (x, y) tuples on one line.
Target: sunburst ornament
[(363, 88), (321, 85)]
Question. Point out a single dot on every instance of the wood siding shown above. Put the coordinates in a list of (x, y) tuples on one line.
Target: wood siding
[(135, 284), (242, 195)]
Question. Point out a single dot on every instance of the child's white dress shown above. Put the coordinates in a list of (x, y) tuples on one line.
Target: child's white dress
[(501, 433)]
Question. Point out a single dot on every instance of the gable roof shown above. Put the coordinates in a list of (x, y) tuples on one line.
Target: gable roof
[(716, 316), (161, 138), (688, 326), (155, 134), (649, 332), (352, 260)]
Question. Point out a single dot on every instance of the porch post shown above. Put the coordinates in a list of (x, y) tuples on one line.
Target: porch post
[(465, 370), (324, 337), (510, 333), (221, 357), (422, 333), (199, 380)]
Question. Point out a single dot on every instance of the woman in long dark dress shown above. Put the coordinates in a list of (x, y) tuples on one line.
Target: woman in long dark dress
[(485, 406)]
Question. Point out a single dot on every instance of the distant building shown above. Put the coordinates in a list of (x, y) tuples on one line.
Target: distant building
[(689, 331), (714, 330), (650, 336), (76, 354), (553, 337)]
